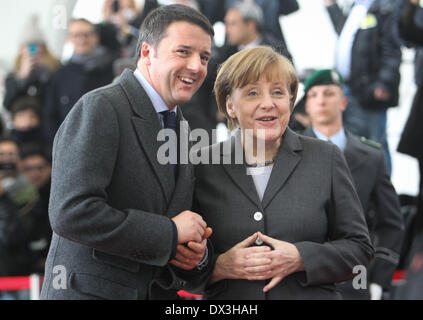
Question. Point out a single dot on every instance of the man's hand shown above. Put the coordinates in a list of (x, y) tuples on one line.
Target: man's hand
[(189, 256), (190, 226), (381, 94)]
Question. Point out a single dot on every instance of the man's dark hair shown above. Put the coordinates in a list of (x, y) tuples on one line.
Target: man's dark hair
[(155, 24), (95, 27), (34, 149), (7, 138), (26, 103)]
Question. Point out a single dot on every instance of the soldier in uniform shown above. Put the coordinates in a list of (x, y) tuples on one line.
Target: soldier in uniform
[(324, 103)]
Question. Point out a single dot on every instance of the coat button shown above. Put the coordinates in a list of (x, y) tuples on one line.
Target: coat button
[(258, 216), (259, 242)]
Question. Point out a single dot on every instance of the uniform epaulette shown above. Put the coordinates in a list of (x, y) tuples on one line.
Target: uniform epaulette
[(370, 143)]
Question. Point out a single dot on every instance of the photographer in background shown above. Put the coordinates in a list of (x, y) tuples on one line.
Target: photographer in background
[(25, 230), (17, 198), (34, 66)]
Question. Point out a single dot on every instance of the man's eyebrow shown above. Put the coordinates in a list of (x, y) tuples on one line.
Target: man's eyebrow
[(183, 46)]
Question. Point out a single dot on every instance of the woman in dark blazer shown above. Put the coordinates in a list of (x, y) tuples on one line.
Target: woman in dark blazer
[(286, 218)]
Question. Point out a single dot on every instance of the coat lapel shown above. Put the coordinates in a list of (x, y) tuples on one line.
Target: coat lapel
[(147, 126), (286, 161), (354, 153), (238, 171), (184, 181)]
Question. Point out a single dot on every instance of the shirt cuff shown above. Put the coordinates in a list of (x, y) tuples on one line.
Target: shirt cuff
[(174, 240), (203, 263)]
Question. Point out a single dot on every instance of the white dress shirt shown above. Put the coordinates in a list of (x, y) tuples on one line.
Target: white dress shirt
[(347, 36), (157, 101)]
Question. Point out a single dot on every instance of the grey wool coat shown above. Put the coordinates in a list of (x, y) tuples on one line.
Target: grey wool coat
[(112, 202), (309, 201)]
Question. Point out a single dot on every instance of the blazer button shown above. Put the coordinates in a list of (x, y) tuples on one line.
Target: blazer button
[(258, 216), (259, 242)]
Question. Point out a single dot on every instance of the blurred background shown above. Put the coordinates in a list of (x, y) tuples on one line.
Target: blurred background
[(308, 32)]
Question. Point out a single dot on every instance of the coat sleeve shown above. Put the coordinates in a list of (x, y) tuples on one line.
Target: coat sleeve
[(390, 54), (348, 243), (51, 105), (84, 156), (388, 231), (408, 29)]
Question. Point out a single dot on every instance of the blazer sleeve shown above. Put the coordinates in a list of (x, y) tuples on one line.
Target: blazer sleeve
[(408, 29), (390, 54), (84, 156), (348, 244), (388, 231)]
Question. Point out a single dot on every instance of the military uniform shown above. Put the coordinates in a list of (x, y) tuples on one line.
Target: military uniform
[(380, 202)]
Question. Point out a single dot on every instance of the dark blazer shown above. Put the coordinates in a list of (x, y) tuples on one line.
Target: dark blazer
[(412, 134), (69, 83), (380, 203), (310, 201), (375, 55), (112, 201)]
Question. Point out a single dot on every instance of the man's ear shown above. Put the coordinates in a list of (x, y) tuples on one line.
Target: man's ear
[(146, 52), (230, 107), (344, 103)]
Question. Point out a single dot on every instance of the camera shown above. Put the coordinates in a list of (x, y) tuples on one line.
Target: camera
[(8, 166), (33, 49)]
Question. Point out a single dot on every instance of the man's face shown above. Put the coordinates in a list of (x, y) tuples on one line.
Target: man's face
[(236, 27), (325, 104), (9, 156), (25, 120), (83, 37), (177, 67), (37, 170)]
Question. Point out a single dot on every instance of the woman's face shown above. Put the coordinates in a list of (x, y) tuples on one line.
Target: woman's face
[(261, 105)]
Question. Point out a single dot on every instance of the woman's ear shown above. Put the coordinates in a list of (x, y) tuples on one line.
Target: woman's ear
[(230, 107)]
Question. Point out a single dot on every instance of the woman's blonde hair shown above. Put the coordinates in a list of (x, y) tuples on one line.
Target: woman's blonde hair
[(48, 60), (247, 66)]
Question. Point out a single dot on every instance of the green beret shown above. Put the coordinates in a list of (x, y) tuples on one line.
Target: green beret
[(323, 77)]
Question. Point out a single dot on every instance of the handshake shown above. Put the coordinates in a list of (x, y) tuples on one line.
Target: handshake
[(193, 233)]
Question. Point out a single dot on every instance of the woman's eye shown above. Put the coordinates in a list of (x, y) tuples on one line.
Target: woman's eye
[(252, 93)]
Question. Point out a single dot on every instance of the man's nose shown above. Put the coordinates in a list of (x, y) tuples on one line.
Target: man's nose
[(195, 64)]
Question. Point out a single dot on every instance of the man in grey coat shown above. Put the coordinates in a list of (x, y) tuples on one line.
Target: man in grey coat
[(121, 223), (325, 102)]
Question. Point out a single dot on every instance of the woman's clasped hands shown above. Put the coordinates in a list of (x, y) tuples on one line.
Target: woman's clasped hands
[(274, 260)]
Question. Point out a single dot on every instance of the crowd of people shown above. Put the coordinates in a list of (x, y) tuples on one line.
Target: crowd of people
[(346, 105)]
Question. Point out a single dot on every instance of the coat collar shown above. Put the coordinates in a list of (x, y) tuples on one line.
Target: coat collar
[(354, 152), (147, 126), (286, 161)]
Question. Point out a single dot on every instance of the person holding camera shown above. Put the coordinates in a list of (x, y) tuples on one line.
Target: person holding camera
[(34, 66), (17, 198)]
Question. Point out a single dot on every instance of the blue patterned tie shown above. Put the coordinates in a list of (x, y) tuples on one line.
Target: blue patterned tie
[(169, 121)]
